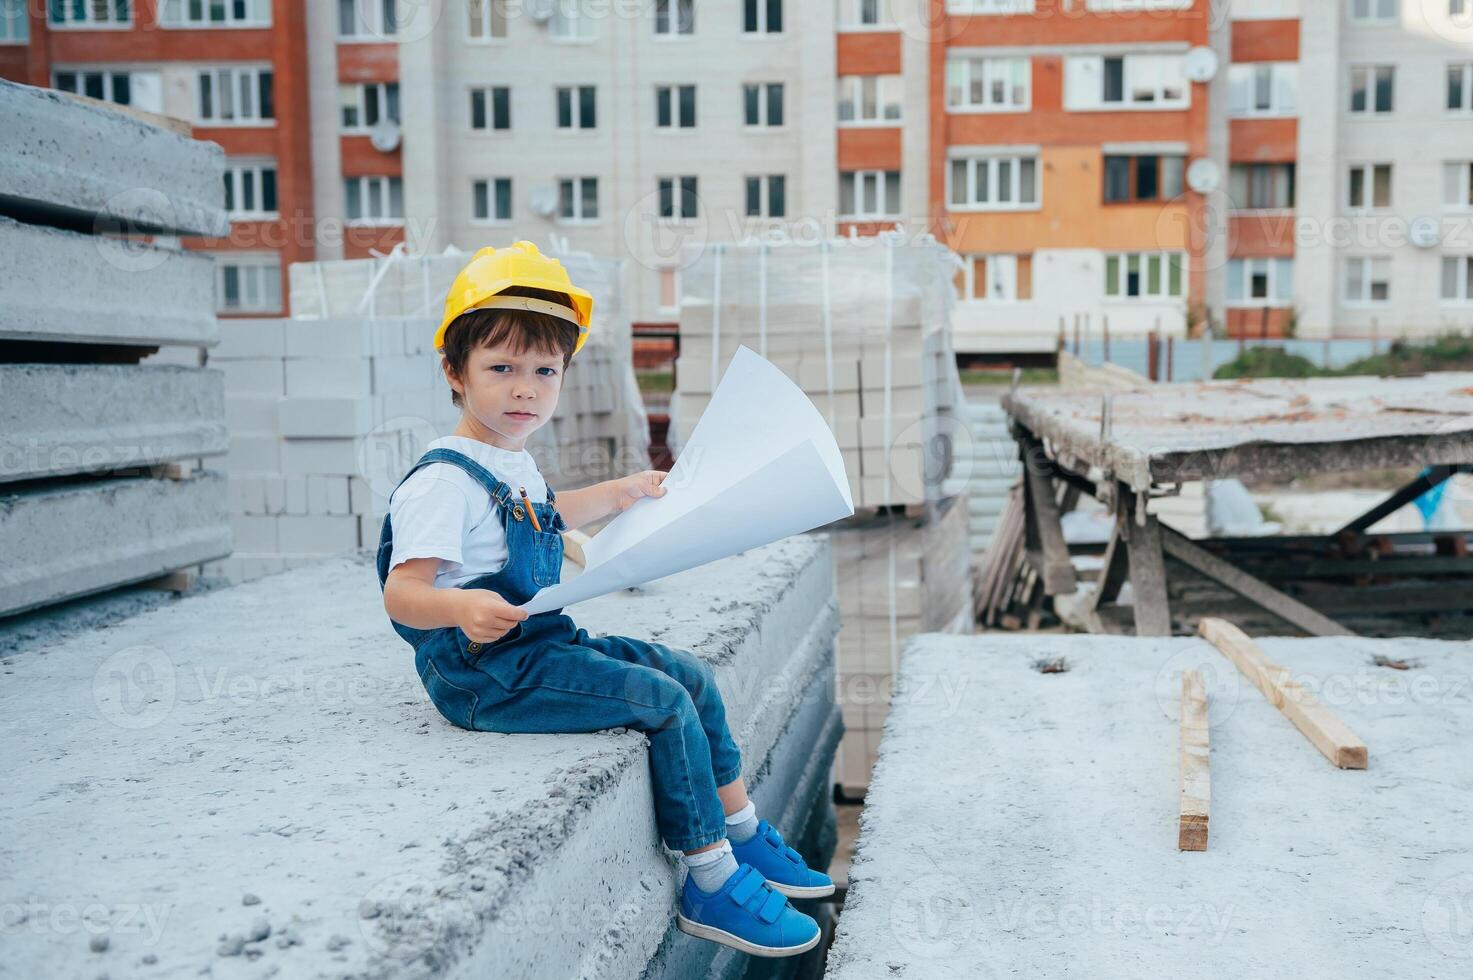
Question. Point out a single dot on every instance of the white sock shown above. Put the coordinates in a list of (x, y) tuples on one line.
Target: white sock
[(742, 825), (710, 869)]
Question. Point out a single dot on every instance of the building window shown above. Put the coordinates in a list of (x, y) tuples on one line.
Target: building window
[(860, 15), (1263, 90), (1460, 88), (869, 99), (678, 197), (250, 189), (1457, 185), (1374, 11), (235, 96), (1145, 275), (248, 283), (136, 88), (989, 84), (1370, 186), (577, 199), (1144, 178), (767, 196), (1260, 282), (576, 107), (571, 22), (1261, 186), (366, 105), (762, 16), (989, 6), (674, 17), (669, 282), (675, 106), (996, 278), (215, 13), (89, 13), (486, 20), (1135, 81), (994, 183), (367, 20), (1457, 278), (1372, 88), (492, 199), (869, 193), (374, 200), (762, 104), (15, 24), (1367, 279), (491, 107)]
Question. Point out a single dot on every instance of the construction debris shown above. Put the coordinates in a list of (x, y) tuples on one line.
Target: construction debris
[(1196, 779)]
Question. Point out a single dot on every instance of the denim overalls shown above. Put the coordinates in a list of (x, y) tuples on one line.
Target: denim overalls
[(548, 675)]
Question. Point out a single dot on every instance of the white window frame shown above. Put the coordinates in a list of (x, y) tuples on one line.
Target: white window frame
[(1367, 264), (109, 77), (358, 102), (1373, 13), (1368, 187), (1279, 276), (987, 8), (882, 91), (1164, 261), (763, 30), (764, 184), (491, 184), (577, 186), (670, 94), (1283, 90), (960, 72), (1462, 279), (989, 167), (488, 96), (15, 22), (369, 24), (673, 21), (176, 15), (849, 16), (257, 273), (1372, 105), (575, 108), (376, 200), (764, 104), (1005, 262), (233, 73), (236, 169), (1457, 185), (1136, 67), (572, 22), (865, 181), (1465, 90), (481, 21), (89, 21)]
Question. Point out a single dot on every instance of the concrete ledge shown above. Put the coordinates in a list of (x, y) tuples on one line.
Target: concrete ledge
[(50, 166), (58, 419), (77, 538), (272, 739), (66, 286), (1018, 821)]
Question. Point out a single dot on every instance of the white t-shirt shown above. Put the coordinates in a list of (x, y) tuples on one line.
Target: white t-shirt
[(443, 512)]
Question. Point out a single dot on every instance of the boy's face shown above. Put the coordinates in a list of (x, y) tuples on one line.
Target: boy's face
[(507, 396)]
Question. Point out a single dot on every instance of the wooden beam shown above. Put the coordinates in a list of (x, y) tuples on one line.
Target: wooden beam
[(1046, 535), (1148, 598), (1112, 572), (1425, 481), (573, 542), (1196, 783), (1320, 725), (1255, 590)]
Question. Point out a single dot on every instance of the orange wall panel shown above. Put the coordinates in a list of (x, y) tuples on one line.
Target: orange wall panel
[(1267, 235), (361, 242), (1257, 322), (869, 53), (1263, 140), (1060, 22), (869, 148), (368, 62), (360, 159), (1266, 40), (242, 140)]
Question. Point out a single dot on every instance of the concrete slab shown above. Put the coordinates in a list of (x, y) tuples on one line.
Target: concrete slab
[(71, 539), (135, 294), (1025, 824), (271, 742), (51, 170), (59, 419)]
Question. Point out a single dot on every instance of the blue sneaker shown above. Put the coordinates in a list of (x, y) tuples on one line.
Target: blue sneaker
[(747, 915), (782, 866)]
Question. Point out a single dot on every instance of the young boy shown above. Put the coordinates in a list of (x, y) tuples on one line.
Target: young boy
[(462, 547)]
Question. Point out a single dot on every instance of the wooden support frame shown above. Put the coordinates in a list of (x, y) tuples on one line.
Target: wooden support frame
[(1043, 530), (1332, 737), (1195, 788), (1149, 601), (1424, 482)]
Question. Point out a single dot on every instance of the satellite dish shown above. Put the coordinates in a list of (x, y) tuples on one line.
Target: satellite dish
[(1200, 64), (544, 201), (1204, 176), (1424, 231), (384, 136)]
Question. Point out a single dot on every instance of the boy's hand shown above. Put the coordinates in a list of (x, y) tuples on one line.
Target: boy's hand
[(485, 616), (646, 483)]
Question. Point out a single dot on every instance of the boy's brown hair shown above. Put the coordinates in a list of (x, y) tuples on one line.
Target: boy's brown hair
[(521, 329)]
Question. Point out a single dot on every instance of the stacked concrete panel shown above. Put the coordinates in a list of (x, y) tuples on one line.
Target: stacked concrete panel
[(88, 500)]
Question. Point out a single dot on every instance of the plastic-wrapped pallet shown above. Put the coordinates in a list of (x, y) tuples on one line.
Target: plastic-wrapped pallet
[(895, 576), (862, 325)]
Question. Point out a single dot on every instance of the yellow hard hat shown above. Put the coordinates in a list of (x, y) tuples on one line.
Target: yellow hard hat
[(494, 270)]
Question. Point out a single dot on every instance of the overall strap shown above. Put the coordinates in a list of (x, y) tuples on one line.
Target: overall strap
[(498, 490)]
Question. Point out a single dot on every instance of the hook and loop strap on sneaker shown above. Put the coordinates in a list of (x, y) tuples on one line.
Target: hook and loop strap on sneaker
[(749, 883), (773, 907), (779, 845)]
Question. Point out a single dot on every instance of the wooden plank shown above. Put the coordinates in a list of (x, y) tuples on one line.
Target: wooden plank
[(1255, 590), (1324, 730), (1196, 784), (1112, 571), (573, 542), (1045, 533), (1151, 605)]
